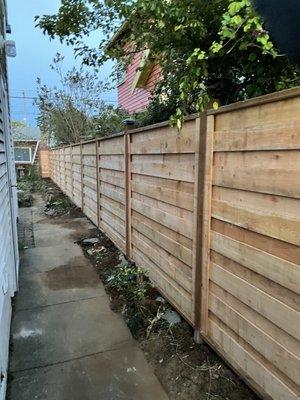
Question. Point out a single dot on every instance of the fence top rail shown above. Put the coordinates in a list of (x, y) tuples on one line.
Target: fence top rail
[(161, 124), (88, 141), (257, 101), (136, 130)]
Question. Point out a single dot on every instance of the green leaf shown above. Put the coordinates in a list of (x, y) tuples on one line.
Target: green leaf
[(234, 7), (216, 47), (237, 20)]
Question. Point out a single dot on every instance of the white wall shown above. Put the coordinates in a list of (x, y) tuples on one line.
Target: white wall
[(9, 258)]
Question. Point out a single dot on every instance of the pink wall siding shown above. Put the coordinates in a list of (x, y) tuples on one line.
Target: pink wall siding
[(138, 99)]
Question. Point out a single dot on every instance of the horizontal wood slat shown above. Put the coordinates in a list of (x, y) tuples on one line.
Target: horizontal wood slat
[(213, 214), (254, 263)]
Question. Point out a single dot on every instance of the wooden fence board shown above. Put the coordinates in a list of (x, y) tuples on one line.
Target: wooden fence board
[(213, 214), (44, 163), (274, 352), (278, 334), (275, 216), (273, 172), (254, 262), (274, 268), (111, 186), (256, 370), (265, 284), (263, 137)]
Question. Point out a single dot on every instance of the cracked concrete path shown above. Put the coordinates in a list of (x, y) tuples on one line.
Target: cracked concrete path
[(66, 341)]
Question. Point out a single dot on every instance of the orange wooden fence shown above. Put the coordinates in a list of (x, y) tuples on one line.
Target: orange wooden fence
[(213, 213), (44, 163)]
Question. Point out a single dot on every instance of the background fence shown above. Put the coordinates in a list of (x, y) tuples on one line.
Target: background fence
[(213, 213)]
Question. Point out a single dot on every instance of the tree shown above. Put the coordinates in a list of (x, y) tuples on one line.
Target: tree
[(17, 127), (208, 50), (74, 109), (15, 124)]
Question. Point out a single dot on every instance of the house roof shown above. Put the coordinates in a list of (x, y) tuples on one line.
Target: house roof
[(25, 141), (26, 133), (117, 35)]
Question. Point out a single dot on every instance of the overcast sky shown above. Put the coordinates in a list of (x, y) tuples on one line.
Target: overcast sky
[(34, 55)]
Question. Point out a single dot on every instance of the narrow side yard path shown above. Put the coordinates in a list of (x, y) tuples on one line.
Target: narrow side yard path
[(66, 341)]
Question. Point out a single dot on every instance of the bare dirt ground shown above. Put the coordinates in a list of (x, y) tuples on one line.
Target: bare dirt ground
[(186, 370)]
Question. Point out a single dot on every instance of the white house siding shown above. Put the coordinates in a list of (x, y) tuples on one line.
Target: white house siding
[(9, 257), (8, 239)]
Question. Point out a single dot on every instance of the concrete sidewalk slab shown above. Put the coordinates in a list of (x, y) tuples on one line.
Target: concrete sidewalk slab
[(113, 375), (42, 259), (58, 285), (63, 222), (65, 331), (67, 342)]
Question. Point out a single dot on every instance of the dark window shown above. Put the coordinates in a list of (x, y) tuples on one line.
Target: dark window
[(23, 154)]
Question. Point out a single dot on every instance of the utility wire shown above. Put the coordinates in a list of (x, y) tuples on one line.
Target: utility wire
[(35, 98)]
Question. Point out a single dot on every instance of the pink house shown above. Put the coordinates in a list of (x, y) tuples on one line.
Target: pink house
[(137, 84), (132, 97)]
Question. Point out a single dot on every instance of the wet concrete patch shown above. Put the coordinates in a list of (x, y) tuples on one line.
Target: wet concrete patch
[(40, 290), (45, 258), (70, 277), (78, 227), (69, 331)]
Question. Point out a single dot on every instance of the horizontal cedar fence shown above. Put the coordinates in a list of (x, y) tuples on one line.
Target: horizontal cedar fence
[(44, 163), (213, 213)]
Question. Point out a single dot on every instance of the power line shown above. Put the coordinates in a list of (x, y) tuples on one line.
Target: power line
[(23, 97), (35, 98)]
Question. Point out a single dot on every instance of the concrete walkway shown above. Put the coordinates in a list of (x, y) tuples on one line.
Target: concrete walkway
[(67, 343)]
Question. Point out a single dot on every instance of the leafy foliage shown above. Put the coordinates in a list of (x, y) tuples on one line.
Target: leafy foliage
[(131, 280), (31, 181), (75, 110), (28, 184), (15, 124), (208, 50), (131, 284)]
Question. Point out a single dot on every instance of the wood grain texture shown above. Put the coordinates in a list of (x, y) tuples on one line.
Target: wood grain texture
[(273, 172), (253, 366), (274, 268), (254, 276), (44, 163), (213, 214), (206, 223), (272, 136), (275, 216)]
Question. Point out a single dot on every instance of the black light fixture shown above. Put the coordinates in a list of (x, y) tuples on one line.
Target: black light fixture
[(128, 122)]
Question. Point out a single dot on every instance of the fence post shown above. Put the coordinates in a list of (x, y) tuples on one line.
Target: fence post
[(81, 169), (65, 171), (202, 217), (98, 186), (71, 172), (206, 220), (51, 164), (127, 170), (198, 197)]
